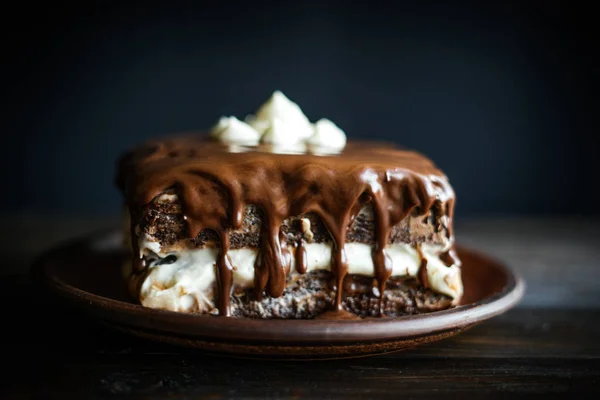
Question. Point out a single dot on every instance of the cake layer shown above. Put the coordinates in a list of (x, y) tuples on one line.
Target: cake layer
[(311, 296), (164, 221)]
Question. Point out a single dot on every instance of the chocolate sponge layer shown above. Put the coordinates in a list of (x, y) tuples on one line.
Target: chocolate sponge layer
[(312, 294), (165, 223)]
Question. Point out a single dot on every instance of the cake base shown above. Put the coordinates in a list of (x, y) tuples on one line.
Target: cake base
[(312, 296)]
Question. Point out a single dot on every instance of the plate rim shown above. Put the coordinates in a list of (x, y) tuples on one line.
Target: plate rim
[(280, 331)]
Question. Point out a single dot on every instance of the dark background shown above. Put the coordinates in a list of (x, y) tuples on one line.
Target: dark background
[(503, 97)]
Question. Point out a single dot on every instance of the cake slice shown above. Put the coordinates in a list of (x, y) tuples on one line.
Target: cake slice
[(280, 218)]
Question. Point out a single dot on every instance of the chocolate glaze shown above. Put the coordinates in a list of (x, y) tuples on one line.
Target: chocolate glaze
[(422, 274), (301, 261), (340, 315), (449, 257), (215, 182), (224, 275)]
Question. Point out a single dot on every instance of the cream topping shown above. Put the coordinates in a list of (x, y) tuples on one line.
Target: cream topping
[(279, 108), (280, 122), (232, 130), (328, 135)]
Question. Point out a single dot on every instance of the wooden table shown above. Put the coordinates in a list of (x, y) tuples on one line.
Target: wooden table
[(549, 344)]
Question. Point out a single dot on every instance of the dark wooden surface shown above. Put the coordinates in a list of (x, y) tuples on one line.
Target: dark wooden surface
[(549, 344)]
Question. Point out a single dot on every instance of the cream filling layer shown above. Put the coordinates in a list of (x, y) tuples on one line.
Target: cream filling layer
[(186, 283)]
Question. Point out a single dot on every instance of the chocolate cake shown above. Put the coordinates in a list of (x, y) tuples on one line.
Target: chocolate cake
[(278, 217)]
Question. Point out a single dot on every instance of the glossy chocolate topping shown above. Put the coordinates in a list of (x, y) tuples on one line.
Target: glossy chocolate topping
[(216, 181)]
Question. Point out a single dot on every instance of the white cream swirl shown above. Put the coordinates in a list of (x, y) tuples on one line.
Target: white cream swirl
[(327, 134), (280, 122), (281, 111), (232, 130)]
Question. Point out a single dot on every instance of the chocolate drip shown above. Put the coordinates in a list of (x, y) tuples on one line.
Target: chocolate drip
[(422, 274), (381, 261), (224, 276), (383, 271), (301, 261), (395, 195), (450, 257), (214, 185), (339, 267), (337, 227), (273, 262)]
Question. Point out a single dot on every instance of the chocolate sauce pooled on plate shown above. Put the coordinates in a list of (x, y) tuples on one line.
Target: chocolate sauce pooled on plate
[(215, 181)]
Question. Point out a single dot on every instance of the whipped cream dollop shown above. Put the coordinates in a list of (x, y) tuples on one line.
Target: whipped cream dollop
[(278, 132), (281, 113), (232, 130), (327, 134), (280, 122)]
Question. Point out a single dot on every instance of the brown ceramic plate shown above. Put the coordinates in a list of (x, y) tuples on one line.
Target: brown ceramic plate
[(86, 273)]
